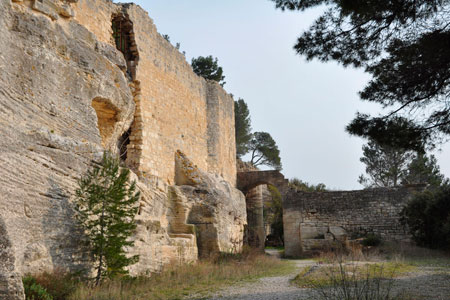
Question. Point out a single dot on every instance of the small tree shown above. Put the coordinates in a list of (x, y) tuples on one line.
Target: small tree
[(305, 186), (424, 169), (208, 68), (243, 128), (385, 166), (264, 150), (106, 207)]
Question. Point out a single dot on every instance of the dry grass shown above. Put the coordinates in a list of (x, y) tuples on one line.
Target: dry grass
[(341, 272), (371, 274), (178, 282)]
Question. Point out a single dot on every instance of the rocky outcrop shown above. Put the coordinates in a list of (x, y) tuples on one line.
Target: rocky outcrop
[(66, 95), (213, 206), (53, 78)]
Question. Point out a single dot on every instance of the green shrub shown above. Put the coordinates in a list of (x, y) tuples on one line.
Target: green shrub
[(59, 284), (428, 217), (371, 239), (34, 291)]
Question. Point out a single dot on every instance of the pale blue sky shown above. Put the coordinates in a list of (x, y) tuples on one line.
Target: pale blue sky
[(305, 106)]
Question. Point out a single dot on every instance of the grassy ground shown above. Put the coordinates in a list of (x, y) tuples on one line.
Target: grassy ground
[(327, 275), (179, 282), (390, 271)]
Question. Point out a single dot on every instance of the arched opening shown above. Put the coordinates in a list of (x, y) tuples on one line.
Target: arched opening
[(264, 217), (273, 217), (252, 183), (107, 117), (123, 36)]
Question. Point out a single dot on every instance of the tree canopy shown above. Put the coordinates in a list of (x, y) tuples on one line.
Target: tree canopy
[(208, 68), (264, 151), (389, 167), (385, 166), (404, 45), (305, 186), (424, 169), (243, 128)]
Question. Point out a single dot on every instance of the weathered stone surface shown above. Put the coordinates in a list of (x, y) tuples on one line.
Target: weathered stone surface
[(313, 219), (51, 73), (252, 183), (216, 209), (10, 281), (250, 179), (66, 95)]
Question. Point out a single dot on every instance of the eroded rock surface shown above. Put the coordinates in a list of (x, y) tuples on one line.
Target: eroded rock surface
[(217, 209), (10, 281), (66, 95)]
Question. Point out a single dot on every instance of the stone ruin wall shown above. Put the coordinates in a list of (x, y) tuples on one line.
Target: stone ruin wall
[(313, 219), (177, 110), (65, 96)]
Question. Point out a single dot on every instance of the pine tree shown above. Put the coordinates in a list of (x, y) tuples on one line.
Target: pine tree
[(385, 166), (424, 169), (243, 128), (106, 207), (208, 68), (404, 46), (264, 150)]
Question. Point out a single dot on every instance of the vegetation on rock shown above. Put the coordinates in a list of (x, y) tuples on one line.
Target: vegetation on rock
[(208, 68), (306, 187)]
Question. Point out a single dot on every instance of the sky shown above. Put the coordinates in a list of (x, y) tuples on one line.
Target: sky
[(305, 106)]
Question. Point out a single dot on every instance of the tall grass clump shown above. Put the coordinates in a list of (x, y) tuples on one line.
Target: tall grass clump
[(341, 280)]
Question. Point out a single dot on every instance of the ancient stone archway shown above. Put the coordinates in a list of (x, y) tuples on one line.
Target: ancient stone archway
[(250, 184)]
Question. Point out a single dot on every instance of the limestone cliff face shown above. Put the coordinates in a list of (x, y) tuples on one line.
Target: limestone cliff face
[(66, 95)]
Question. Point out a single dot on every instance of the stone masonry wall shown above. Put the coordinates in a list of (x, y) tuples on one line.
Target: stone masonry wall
[(178, 109), (311, 217), (221, 140)]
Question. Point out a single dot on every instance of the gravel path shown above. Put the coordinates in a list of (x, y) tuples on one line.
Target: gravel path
[(424, 284), (267, 288)]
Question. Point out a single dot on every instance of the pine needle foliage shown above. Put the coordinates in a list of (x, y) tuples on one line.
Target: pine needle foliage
[(106, 204), (208, 68), (243, 127)]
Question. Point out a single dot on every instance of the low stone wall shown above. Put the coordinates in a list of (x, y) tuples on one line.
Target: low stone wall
[(312, 218)]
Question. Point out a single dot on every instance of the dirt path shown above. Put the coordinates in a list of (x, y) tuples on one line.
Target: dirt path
[(425, 283), (267, 288)]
